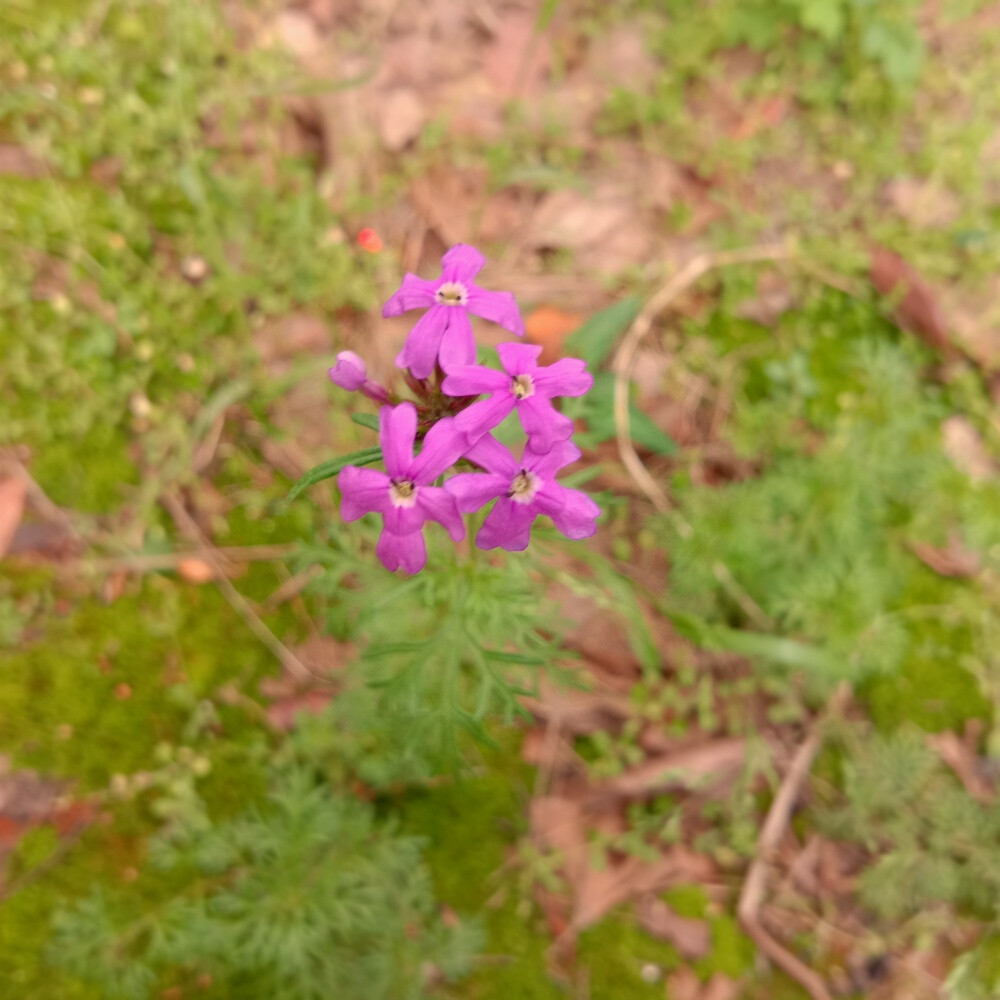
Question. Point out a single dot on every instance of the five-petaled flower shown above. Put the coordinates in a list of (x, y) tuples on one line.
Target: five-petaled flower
[(525, 387), (443, 335), (403, 495), (522, 490)]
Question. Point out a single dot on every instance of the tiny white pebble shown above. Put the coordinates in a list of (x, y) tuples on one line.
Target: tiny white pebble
[(194, 268), (651, 973)]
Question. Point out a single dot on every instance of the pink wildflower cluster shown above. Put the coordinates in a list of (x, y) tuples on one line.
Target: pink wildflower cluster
[(458, 404)]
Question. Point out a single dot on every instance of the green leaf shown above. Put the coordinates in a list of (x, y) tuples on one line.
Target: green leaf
[(599, 412), (327, 469), (825, 17), (774, 648), (594, 340), (368, 420)]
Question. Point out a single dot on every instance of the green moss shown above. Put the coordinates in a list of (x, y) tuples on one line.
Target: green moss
[(103, 686), (935, 694)]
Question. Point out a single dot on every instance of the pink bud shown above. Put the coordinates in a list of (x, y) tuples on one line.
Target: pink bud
[(350, 372)]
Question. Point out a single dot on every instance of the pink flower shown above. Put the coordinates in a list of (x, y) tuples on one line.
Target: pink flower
[(405, 497), (526, 388), (351, 374), (522, 490), (444, 334)]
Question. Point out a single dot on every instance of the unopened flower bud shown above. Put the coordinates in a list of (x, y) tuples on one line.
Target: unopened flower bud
[(350, 372)]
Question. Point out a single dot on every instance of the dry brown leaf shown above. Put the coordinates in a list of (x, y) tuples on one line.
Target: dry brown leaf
[(297, 32), (602, 889), (711, 763), (964, 446), (692, 938), (557, 823), (13, 494), (577, 712), (683, 984), (926, 204), (518, 57), (26, 799), (572, 220), (954, 560), (16, 161), (281, 341), (917, 309), (720, 987), (195, 570), (549, 326), (401, 118), (283, 712)]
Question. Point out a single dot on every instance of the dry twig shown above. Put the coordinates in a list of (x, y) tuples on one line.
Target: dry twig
[(237, 601), (154, 561), (775, 825), (694, 270)]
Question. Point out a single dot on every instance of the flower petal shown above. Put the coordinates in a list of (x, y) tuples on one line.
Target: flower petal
[(413, 293), (494, 457), (519, 359), (402, 551), (471, 380), (404, 520), (397, 427), (362, 491), (543, 423), (473, 490), (423, 342), (483, 416), (497, 307), (443, 446), (576, 516), (546, 465), (567, 377), (461, 263), (507, 526), (350, 372), (439, 505), (458, 346)]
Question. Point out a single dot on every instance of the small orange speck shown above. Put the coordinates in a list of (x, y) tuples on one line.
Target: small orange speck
[(369, 240), (123, 692)]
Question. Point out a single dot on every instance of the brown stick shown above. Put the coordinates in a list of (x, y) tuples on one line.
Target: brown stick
[(775, 825), (237, 601), (151, 562), (695, 269)]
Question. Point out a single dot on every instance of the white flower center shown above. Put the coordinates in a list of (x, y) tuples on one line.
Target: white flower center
[(524, 486), (402, 493), (452, 293), (522, 386)]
